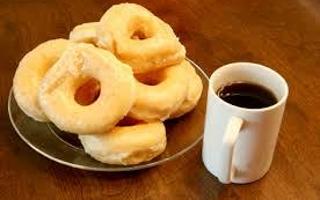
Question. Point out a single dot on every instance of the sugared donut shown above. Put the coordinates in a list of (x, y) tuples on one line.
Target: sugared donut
[(30, 72), (193, 95), (139, 38), (79, 63), (127, 145), (160, 93), (85, 32)]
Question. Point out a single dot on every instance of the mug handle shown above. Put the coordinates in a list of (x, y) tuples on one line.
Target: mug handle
[(229, 140)]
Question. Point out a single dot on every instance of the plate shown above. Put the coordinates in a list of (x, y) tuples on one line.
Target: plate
[(65, 148)]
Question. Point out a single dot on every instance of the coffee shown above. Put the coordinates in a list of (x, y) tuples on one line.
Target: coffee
[(247, 95)]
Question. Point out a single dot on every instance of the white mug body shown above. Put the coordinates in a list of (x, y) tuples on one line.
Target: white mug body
[(252, 152)]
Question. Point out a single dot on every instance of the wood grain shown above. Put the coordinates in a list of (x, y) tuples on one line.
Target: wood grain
[(282, 34)]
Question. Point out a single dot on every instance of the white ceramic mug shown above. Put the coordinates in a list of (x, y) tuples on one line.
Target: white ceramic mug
[(238, 142)]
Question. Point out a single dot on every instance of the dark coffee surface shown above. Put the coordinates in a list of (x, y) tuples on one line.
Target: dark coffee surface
[(247, 95)]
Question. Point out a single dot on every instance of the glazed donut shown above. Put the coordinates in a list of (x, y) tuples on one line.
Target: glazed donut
[(30, 72), (164, 92), (193, 95), (85, 32), (127, 145), (139, 38), (79, 63)]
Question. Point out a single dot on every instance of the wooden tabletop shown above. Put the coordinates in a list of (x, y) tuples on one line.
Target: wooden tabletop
[(282, 34)]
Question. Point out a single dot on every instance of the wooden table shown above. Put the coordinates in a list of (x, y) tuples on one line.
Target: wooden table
[(283, 34)]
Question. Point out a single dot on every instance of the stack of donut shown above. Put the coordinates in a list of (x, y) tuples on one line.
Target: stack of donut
[(131, 67)]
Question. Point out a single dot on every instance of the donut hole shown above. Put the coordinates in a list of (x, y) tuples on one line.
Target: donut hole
[(128, 121), (151, 78), (139, 35), (88, 92), (140, 29)]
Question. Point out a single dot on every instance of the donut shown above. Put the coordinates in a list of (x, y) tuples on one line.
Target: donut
[(193, 95), (160, 93), (85, 32), (79, 63), (127, 145), (30, 72), (139, 38)]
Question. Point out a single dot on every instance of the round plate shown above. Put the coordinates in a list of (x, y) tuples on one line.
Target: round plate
[(65, 148)]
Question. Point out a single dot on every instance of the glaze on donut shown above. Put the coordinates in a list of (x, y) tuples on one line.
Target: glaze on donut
[(31, 71), (79, 63), (127, 145), (85, 32), (139, 38), (193, 95), (163, 94)]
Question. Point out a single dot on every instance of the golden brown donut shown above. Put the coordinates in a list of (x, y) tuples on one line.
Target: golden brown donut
[(85, 32), (193, 95), (79, 63), (163, 94), (139, 38), (127, 145), (30, 72)]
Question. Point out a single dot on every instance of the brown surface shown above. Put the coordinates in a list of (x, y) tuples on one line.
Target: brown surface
[(283, 34)]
